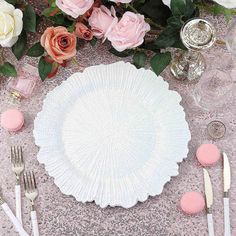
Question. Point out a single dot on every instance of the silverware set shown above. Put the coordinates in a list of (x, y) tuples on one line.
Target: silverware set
[(209, 197), (31, 193)]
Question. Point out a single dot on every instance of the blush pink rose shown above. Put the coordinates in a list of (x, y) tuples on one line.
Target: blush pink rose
[(83, 32), (102, 21), (129, 32), (74, 8), (59, 43), (122, 1)]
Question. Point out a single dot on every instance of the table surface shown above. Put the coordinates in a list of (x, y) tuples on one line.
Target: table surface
[(61, 215)]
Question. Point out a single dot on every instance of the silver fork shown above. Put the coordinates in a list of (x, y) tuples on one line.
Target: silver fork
[(31, 192), (17, 167)]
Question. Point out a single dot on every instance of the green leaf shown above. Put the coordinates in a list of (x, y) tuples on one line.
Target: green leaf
[(71, 28), (178, 7), (175, 22), (189, 9), (29, 19), (139, 59), (36, 50), (167, 38), (46, 12), (160, 61), (13, 2), (179, 44), (19, 47), (156, 10), (150, 46), (183, 9), (8, 69), (44, 68), (60, 20), (93, 41), (125, 53)]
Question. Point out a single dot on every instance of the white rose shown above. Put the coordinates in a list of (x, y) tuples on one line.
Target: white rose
[(227, 3), (11, 24)]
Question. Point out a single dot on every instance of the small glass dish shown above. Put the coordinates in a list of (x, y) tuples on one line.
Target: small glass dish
[(23, 85)]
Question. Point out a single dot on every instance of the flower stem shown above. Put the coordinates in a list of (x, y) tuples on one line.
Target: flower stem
[(131, 7), (154, 24)]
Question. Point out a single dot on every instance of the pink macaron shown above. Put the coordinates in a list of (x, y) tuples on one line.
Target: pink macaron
[(12, 120), (192, 203), (208, 154)]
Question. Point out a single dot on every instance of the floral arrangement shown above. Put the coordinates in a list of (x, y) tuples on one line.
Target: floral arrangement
[(143, 29)]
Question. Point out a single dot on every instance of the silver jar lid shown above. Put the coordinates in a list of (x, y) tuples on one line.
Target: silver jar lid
[(198, 34)]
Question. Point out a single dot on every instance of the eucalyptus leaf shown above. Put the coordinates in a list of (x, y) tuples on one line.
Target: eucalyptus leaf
[(160, 61), (19, 47), (36, 50), (44, 68), (7, 69), (139, 59), (29, 19)]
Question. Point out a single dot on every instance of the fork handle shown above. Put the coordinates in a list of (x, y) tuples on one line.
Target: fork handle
[(34, 221), (14, 220), (18, 203)]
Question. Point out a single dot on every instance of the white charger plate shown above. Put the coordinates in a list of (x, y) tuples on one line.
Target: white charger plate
[(112, 134)]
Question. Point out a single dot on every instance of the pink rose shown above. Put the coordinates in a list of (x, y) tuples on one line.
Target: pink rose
[(122, 1), (83, 32), (59, 43), (102, 21), (74, 8), (129, 32)]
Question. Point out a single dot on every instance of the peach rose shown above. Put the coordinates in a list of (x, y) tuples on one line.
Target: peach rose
[(102, 21), (74, 8), (59, 43), (122, 1), (129, 32), (83, 32)]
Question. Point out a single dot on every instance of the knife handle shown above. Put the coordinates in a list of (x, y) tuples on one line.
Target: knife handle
[(14, 220), (226, 217), (210, 225)]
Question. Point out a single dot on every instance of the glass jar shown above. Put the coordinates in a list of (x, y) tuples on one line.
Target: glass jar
[(23, 85)]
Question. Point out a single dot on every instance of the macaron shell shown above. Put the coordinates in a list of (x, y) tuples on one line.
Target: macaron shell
[(192, 203), (208, 154), (12, 120)]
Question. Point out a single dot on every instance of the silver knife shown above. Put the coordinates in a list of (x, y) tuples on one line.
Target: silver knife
[(209, 202), (12, 217), (227, 181)]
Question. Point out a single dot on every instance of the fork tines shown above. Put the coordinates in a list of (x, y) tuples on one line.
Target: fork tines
[(16, 155), (29, 181)]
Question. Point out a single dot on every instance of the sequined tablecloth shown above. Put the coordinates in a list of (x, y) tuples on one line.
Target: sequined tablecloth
[(61, 215)]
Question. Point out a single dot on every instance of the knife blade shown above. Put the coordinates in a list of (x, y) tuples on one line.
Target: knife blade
[(227, 182), (209, 201)]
